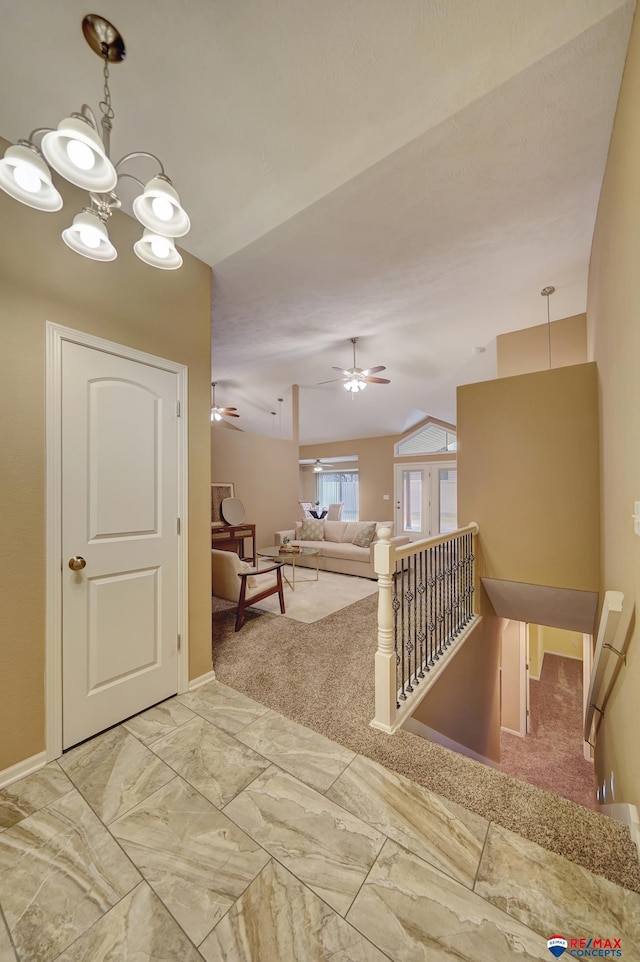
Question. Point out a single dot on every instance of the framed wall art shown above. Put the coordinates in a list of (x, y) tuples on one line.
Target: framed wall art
[(219, 491)]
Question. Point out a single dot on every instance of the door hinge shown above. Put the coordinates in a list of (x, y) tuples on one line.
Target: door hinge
[(177, 409), (178, 525), (179, 643)]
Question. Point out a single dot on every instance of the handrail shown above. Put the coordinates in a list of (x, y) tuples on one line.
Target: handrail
[(425, 594), (602, 674), (404, 550)]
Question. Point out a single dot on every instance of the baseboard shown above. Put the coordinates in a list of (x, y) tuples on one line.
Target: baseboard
[(411, 725), (533, 677), (511, 731), (22, 769), (202, 680), (556, 654), (628, 814)]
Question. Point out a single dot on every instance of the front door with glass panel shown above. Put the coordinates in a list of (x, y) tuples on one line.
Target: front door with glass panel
[(426, 499)]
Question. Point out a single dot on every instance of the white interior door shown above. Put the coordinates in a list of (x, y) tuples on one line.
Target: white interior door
[(426, 499), (119, 437)]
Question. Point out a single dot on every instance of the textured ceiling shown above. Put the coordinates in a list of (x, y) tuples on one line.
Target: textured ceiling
[(412, 174)]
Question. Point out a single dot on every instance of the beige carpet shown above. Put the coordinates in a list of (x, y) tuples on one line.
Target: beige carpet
[(321, 675), (313, 600), (551, 755)]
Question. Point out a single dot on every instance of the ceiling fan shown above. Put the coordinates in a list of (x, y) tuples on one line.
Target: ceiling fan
[(218, 412), (320, 465), (355, 378)]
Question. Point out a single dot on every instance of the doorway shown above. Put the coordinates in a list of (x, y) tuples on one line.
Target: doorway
[(116, 549), (426, 499), (544, 674)]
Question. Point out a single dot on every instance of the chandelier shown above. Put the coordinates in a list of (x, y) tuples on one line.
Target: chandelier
[(79, 152)]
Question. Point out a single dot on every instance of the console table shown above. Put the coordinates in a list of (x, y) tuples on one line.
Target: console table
[(230, 537)]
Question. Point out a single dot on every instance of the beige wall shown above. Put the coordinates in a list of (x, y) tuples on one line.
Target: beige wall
[(375, 464), (553, 641), (525, 351), (264, 472), (613, 311), (126, 301), (464, 704), (528, 474), (510, 676), (536, 652), (558, 641)]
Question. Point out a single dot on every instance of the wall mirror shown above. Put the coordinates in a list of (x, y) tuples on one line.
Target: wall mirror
[(232, 510)]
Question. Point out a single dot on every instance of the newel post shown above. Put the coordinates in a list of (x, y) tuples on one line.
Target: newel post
[(385, 662)]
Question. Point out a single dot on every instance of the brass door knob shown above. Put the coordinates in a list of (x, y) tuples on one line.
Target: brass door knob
[(77, 563)]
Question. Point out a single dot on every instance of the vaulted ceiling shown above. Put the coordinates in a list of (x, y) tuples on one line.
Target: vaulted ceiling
[(409, 173)]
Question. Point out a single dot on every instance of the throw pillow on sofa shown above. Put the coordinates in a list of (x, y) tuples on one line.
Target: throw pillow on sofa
[(365, 535), (311, 530)]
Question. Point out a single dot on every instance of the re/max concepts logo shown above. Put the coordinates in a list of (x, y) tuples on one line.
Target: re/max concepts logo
[(594, 948)]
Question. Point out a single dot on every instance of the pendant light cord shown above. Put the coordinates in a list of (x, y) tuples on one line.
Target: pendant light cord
[(547, 292), (548, 332)]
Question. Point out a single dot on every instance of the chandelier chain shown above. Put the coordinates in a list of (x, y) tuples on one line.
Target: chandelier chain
[(105, 105)]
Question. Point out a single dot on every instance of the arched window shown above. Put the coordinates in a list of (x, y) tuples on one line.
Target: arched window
[(430, 438)]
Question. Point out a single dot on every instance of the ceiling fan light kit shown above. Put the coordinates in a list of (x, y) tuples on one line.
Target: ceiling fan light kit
[(355, 379), (79, 151), (217, 410)]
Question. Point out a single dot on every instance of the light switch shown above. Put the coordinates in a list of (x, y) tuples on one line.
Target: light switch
[(385, 497)]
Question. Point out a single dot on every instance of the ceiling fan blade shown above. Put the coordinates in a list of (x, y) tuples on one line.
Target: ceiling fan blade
[(228, 409), (230, 414), (341, 369), (375, 370), (332, 381), (377, 380)]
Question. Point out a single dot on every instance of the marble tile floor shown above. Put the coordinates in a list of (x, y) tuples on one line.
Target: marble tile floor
[(211, 828)]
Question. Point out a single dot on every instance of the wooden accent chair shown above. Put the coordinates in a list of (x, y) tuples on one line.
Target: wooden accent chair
[(235, 580), (334, 511)]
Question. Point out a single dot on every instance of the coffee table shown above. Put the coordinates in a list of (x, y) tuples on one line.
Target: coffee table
[(291, 557)]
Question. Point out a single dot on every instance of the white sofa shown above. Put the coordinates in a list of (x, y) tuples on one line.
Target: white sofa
[(337, 553)]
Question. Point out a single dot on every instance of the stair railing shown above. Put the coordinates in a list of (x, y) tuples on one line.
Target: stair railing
[(425, 606)]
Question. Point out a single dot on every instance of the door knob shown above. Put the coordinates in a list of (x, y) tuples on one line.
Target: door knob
[(77, 563)]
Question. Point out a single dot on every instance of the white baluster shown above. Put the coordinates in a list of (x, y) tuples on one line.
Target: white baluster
[(385, 662)]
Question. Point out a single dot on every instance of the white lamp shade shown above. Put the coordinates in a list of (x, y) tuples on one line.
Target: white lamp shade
[(76, 151), (354, 385), (159, 209), (158, 251), (25, 177), (89, 236)]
